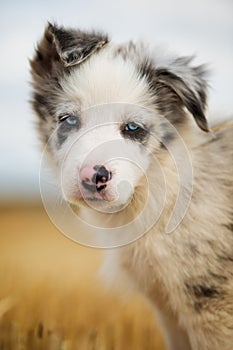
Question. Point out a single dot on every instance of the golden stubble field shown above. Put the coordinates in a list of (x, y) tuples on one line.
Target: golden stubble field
[(52, 298)]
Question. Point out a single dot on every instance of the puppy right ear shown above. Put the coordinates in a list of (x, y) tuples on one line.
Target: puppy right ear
[(60, 48)]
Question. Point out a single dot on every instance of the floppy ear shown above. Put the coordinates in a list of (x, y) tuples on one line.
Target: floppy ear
[(61, 48), (187, 86)]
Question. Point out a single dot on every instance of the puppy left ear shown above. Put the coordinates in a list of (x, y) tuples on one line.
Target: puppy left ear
[(188, 84), (74, 46)]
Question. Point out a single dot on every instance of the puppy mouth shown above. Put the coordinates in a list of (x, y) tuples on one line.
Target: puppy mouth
[(102, 198), (98, 197), (91, 199)]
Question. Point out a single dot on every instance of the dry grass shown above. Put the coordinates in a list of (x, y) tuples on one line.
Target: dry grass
[(51, 298)]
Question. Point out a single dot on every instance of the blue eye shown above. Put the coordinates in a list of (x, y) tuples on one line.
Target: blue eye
[(69, 119), (134, 132), (132, 127)]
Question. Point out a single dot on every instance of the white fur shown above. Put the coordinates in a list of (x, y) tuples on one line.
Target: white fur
[(106, 79)]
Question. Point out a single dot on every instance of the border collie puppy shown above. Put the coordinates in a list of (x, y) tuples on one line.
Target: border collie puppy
[(126, 133)]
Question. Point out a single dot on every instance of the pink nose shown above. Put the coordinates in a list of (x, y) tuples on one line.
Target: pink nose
[(95, 178)]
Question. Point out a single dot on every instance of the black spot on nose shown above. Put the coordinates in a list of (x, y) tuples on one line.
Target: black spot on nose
[(102, 175), (99, 180)]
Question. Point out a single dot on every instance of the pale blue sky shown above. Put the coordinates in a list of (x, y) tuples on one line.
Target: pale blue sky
[(202, 27)]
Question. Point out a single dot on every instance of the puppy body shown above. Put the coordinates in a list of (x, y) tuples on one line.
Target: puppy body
[(184, 269), (187, 274)]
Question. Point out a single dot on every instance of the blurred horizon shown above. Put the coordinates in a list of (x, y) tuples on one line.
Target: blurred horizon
[(194, 27)]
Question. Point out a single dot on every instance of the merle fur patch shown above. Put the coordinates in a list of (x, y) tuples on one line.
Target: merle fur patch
[(202, 294), (203, 291)]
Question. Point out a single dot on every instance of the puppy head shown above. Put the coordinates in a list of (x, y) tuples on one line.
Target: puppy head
[(105, 110)]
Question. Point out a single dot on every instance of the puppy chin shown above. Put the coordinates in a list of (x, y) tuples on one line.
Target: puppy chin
[(108, 202)]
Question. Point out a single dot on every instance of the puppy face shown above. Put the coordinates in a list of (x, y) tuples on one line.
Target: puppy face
[(106, 110), (103, 162)]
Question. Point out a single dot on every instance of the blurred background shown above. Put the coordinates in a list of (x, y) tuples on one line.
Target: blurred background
[(43, 275)]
